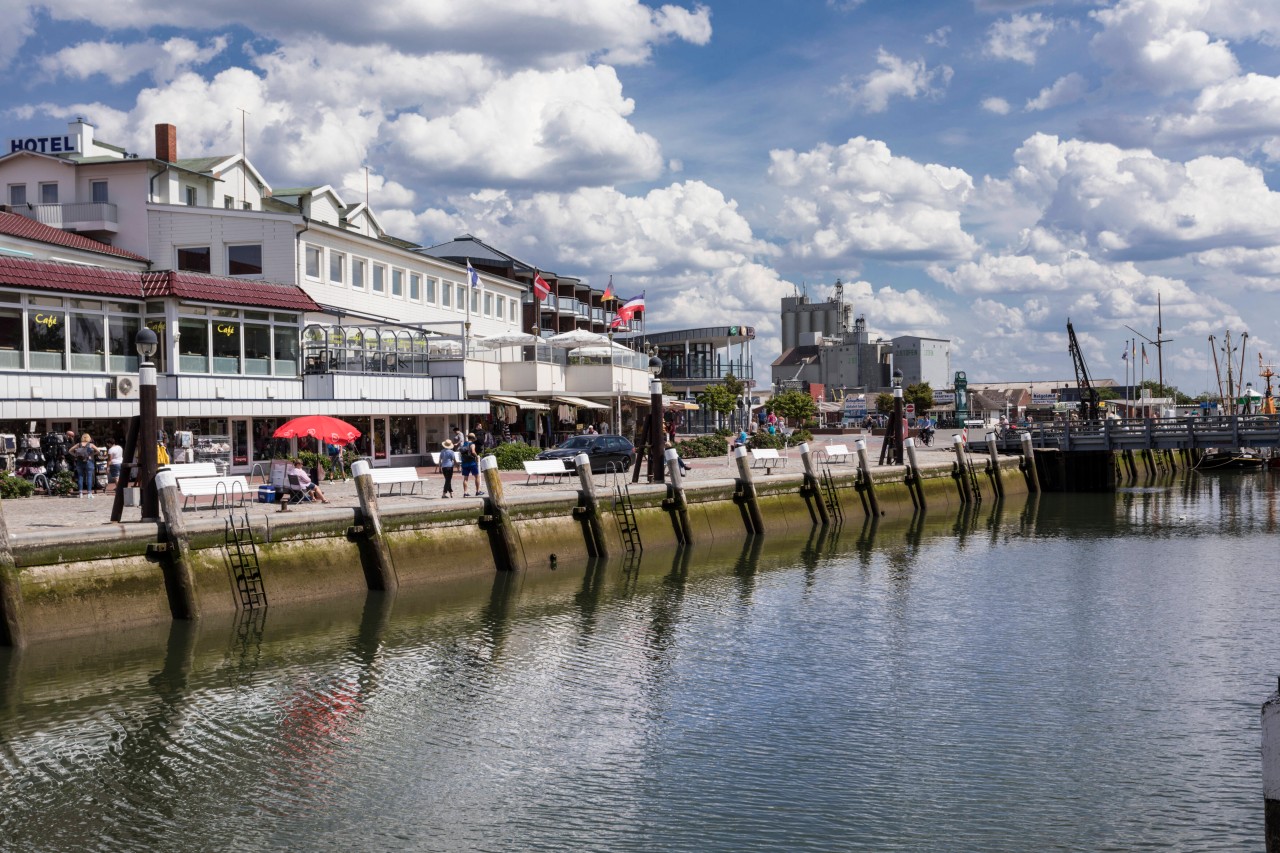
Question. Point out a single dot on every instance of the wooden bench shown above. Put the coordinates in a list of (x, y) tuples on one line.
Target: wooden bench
[(768, 459), (396, 477), (545, 468), (221, 489), (194, 469), (836, 453)]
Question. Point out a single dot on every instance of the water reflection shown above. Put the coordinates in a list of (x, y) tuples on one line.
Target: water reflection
[(1068, 672)]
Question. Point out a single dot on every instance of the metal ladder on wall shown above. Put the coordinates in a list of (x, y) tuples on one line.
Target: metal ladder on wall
[(242, 555), (971, 471), (625, 512), (829, 494)]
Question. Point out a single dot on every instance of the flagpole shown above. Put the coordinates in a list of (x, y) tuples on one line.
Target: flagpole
[(466, 333)]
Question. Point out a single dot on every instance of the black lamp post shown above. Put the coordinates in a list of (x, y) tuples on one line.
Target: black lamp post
[(146, 343), (738, 410), (899, 426), (656, 436)]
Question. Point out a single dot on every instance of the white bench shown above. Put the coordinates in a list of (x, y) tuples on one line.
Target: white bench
[(836, 453), (221, 489), (194, 469), (545, 468), (433, 459), (394, 478), (768, 459)]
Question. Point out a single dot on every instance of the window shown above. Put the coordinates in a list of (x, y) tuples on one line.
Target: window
[(488, 305), (397, 283), (257, 349), (47, 332), (337, 267), (501, 313), (446, 292), (121, 332), (313, 261), (514, 306), (460, 297), (475, 301), (229, 202), (415, 287), (98, 192), (379, 279), (226, 341), (48, 193), (286, 349), (431, 290), (193, 346), (17, 194), (246, 205), (357, 273), (88, 335), (244, 260), (190, 193), (194, 259)]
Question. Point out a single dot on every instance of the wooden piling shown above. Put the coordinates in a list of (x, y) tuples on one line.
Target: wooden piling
[(868, 484), (745, 495), (502, 538), (810, 491), (914, 484), (12, 631), (993, 456), (962, 471), (179, 579), (676, 502), (379, 567), (1029, 463), (588, 510)]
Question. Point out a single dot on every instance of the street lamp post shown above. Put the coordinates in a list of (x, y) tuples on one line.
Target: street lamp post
[(899, 426), (656, 442), (146, 343)]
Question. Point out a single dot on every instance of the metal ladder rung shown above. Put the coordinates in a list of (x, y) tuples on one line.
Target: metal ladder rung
[(830, 496), (242, 555), (624, 511)]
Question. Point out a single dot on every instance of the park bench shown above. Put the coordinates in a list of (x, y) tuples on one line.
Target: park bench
[(194, 469), (431, 460), (394, 478), (834, 454), (545, 468), (221, 489), (768, 459)]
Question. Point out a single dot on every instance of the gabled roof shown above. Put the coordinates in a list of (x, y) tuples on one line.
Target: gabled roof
[(227, 291), (70, 278), (199, 164), (133, 284), (16, 225), (215, 165), (467, 246), (796, 356), (361, 209)]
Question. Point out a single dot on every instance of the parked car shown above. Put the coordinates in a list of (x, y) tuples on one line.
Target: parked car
[(607, 452)]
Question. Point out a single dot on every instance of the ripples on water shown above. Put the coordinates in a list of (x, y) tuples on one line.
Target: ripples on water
[(1081, 675)]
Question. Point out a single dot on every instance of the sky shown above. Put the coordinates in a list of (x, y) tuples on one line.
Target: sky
[(979, 170)]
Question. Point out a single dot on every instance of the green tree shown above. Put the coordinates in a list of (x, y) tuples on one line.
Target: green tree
[(718, 398), (921, 395), (793, 405), (735, 386), (884, 403), (1158, 390)]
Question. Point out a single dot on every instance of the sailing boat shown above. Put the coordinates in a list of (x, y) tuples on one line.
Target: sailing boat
[(1239, 459)]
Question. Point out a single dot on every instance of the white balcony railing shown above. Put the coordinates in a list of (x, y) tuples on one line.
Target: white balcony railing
[(89, 215)]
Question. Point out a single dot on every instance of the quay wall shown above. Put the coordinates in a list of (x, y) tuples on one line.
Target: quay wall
[(111, 580)]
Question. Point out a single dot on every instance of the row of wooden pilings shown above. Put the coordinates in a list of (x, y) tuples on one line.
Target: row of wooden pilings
[(1154, 462), (173, 551)]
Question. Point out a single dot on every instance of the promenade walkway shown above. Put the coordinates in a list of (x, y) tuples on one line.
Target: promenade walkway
[(43, 513)]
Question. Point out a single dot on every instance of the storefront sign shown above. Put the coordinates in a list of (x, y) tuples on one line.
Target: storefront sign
[(942, 398), (1044, 400), (43, 144)]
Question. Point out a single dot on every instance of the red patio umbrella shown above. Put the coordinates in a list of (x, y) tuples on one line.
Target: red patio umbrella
[(331, 430)]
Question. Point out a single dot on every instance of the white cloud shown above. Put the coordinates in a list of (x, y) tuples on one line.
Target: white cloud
[(1019, 37), (1160, 44), (18, 26), (999, 106), (892, 311), (562, 127), (563, 33), (1241, 110), (1130, 204), (858, 200), (1065, 90), (938, 37), (122, 62), (896, 78)]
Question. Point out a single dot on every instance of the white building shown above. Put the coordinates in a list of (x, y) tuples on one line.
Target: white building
[(390, 336)]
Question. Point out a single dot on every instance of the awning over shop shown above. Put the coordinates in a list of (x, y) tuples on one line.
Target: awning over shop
[(683, 404), (579, 402), (516, 401)]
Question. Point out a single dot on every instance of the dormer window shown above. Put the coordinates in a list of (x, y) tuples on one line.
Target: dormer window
[(190, 196)]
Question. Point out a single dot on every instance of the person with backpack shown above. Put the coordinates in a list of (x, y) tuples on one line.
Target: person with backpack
[(447, 460), (85, 455), (470, 459)]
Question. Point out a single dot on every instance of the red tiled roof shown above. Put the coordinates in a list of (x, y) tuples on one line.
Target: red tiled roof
[(28, 229), (227, 291), (131, 284), (51, 275)]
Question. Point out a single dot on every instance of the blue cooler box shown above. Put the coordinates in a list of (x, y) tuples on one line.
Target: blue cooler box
[(266, 494)]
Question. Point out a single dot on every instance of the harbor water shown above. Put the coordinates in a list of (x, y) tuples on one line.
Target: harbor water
[(1077, 672)]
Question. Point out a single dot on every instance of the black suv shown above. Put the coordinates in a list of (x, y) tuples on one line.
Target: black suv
[(607, 452)]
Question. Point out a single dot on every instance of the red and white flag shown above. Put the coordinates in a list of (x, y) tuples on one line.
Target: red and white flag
[(540, 287), (630, 308)]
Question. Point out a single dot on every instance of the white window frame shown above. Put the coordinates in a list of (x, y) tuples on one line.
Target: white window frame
[(415, 287), (25, 197), (379, 280), (357, 281), (307, 254), (190, 195), (340, 258), (44, 185), (106, 191), (432, 293), (397, 283)]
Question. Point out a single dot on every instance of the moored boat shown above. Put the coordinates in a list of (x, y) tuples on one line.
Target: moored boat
[(1230, 460)]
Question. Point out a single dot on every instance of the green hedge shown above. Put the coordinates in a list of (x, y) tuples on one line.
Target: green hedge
[(15, 487), (512, 455), (702, 447)]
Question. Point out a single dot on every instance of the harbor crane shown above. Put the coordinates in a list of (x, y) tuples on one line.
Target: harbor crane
[(1090, 399)]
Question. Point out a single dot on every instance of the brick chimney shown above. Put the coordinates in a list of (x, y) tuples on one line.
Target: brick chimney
[(166, 143)]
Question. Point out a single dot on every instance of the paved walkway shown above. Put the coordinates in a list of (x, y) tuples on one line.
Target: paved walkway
[(45, 513)]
